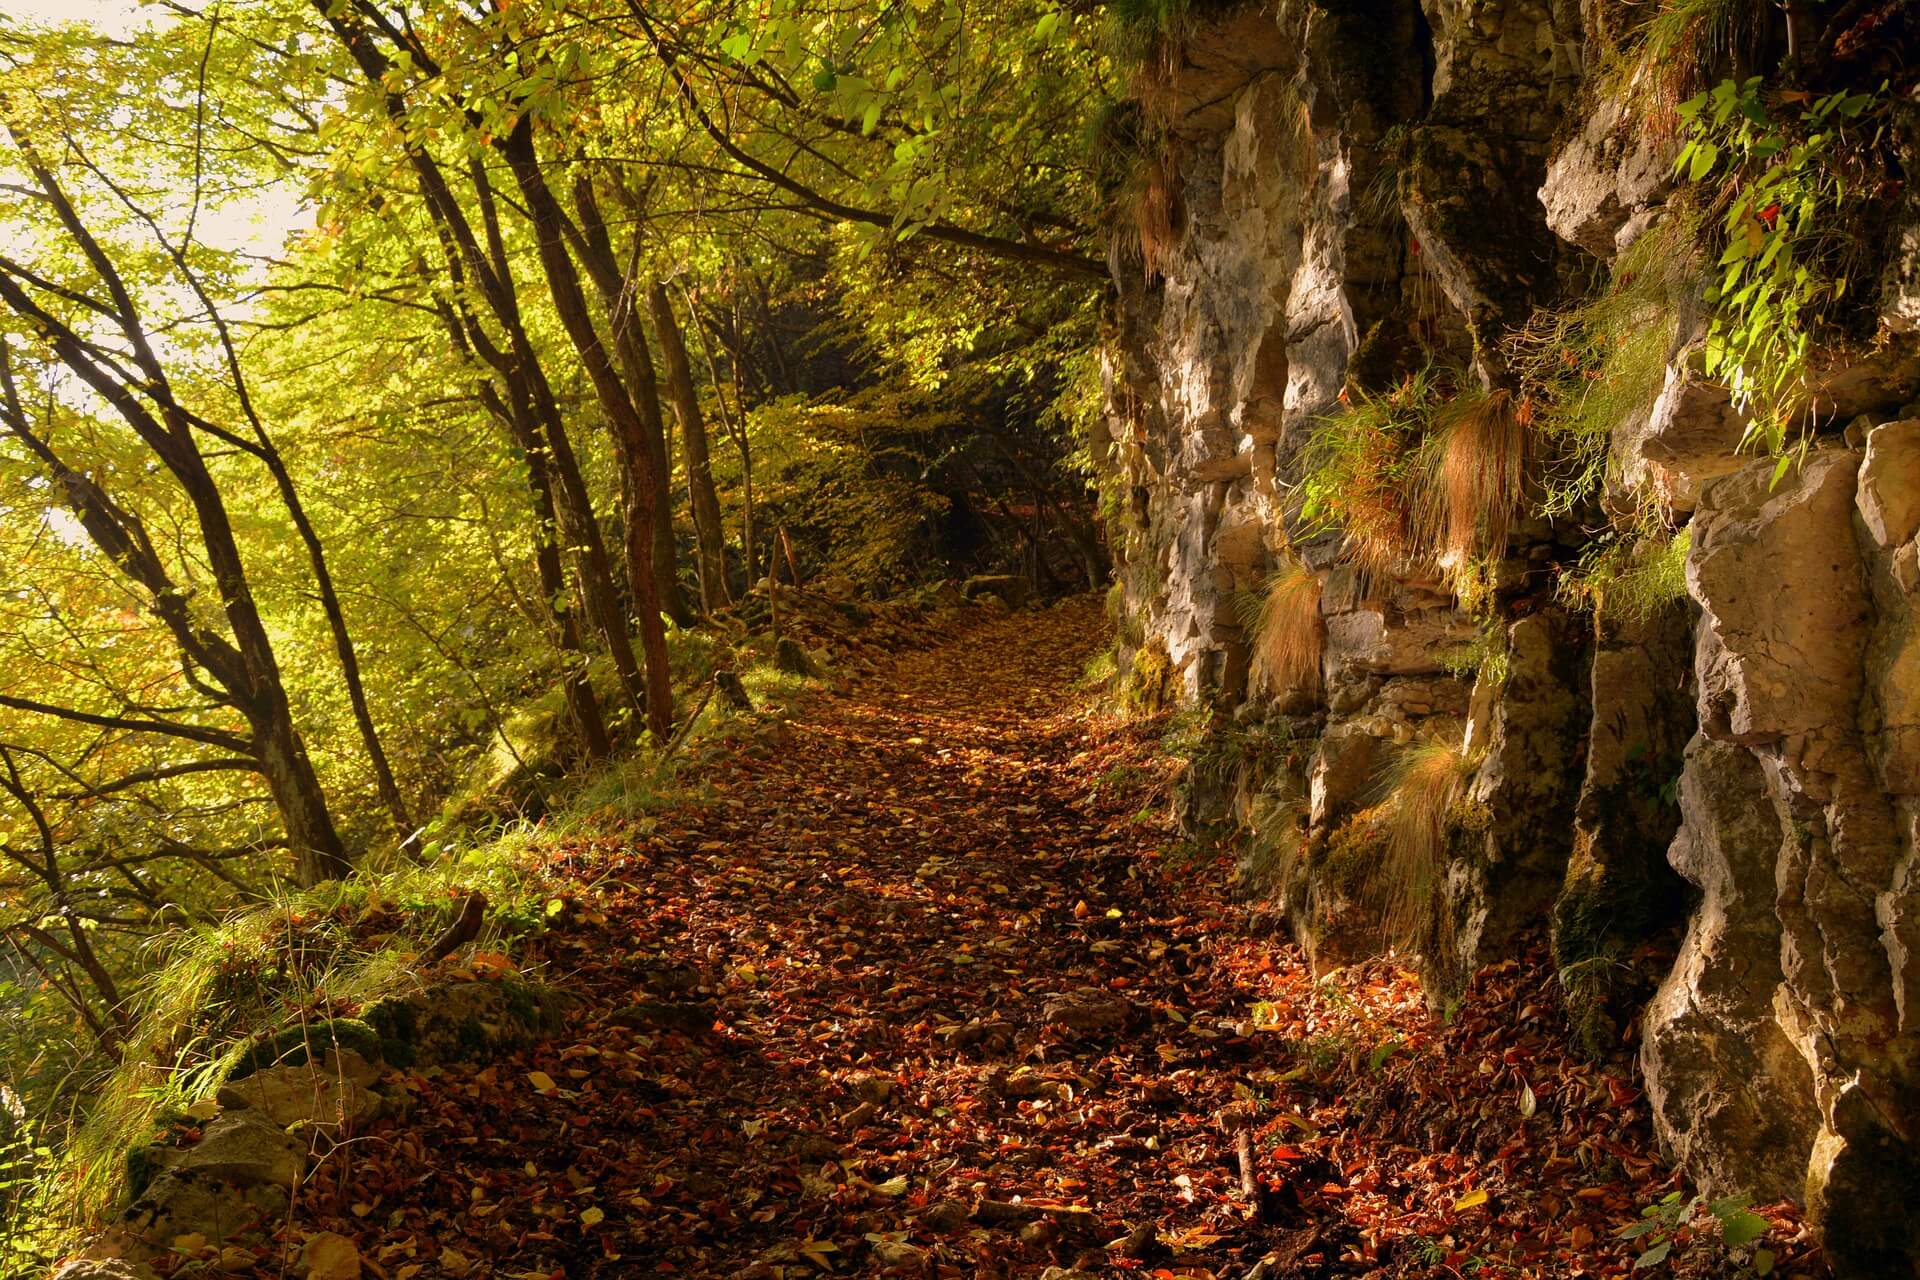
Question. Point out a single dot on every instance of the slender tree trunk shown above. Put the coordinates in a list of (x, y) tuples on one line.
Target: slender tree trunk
[(582, 706), (570, 303), (343, 649), (736, 427), (296, 793), (492, 278), (318, 851), (705, 503), (618, 299)]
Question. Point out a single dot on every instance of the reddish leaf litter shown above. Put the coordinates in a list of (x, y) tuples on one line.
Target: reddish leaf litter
[(917, 994)]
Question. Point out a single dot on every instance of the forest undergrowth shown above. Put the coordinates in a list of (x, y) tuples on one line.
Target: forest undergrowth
[(923, 990)]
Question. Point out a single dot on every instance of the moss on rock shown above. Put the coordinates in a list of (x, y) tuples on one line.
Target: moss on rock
[(462, 1022), (295, 1046), (1150, 680)]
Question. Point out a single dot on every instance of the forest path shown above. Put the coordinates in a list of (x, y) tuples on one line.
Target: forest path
[(915, 995)]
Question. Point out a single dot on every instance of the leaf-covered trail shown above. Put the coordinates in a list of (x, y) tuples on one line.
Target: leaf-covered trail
[(910, 997)]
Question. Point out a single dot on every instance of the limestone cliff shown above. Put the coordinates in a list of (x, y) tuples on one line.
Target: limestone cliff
[(1709, 799)]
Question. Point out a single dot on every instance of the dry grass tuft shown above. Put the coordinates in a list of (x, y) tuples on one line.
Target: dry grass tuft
[(1288, 632), (1423, 784), (1156, 214), (1477, 462)]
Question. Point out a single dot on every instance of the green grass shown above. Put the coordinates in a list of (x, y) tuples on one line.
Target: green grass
[(1362, 470), (1586, 369), (1678, 51), (1631, 578)]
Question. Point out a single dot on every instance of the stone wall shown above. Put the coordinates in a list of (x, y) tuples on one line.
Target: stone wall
[(1712, 808)]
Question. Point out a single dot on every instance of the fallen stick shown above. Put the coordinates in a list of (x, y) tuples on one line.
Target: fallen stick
[(464, 929), (686, 727)]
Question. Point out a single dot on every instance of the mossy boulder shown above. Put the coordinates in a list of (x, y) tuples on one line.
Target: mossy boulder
[(298, 1045), (464, 1021)]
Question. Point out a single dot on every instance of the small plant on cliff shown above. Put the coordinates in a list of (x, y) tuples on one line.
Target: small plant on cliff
[(1362, 468), (1276, 837), (1663, 1224), (1631, 578), (1662, 61), (1476, 464), (1287, 631), (1586, 369), (1788, 177), (1423, 783)]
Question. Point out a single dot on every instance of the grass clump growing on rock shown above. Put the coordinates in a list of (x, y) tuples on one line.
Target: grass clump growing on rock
[(1424, 782), (1362, 469), (1477, 462), (1287, 632), (288, 976), (1585, 370), (1631, 579)]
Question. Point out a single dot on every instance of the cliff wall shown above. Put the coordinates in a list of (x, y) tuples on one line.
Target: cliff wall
[(1476, 669)]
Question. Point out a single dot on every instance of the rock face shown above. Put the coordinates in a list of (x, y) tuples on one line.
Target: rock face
[(1711, 802)]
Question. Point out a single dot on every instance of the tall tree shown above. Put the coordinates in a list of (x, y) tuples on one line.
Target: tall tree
[(702, 499), (241, 669)]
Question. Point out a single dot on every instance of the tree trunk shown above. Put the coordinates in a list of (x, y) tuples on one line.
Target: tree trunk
[(570, 303), (343, 648), (318, 852), (582, 706), (296, 793), (520, 363), (737, 429), (618, 299), (710, 537)]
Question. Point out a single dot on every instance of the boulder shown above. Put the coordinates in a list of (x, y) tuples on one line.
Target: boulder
[(1509, 839), (1888, 492), (328, 1094), (103, 1269), (1604, 179), (1732, 1097), (465, 1021), (1691, 436), (790, 656), (1900, 281), (1013, 591), (245, 1148), (1787, 582), (197, 1204), (1620, 892)]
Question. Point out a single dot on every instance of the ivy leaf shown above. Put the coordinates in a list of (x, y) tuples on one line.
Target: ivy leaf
[(1654, 1256), (1742, 1227)]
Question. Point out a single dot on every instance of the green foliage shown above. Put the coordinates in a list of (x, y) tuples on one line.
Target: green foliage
[(1586, 369), (1631, 577), (847, 478), (1482, 658), (1670, 55), (1792, 172), (1662, 1224)]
